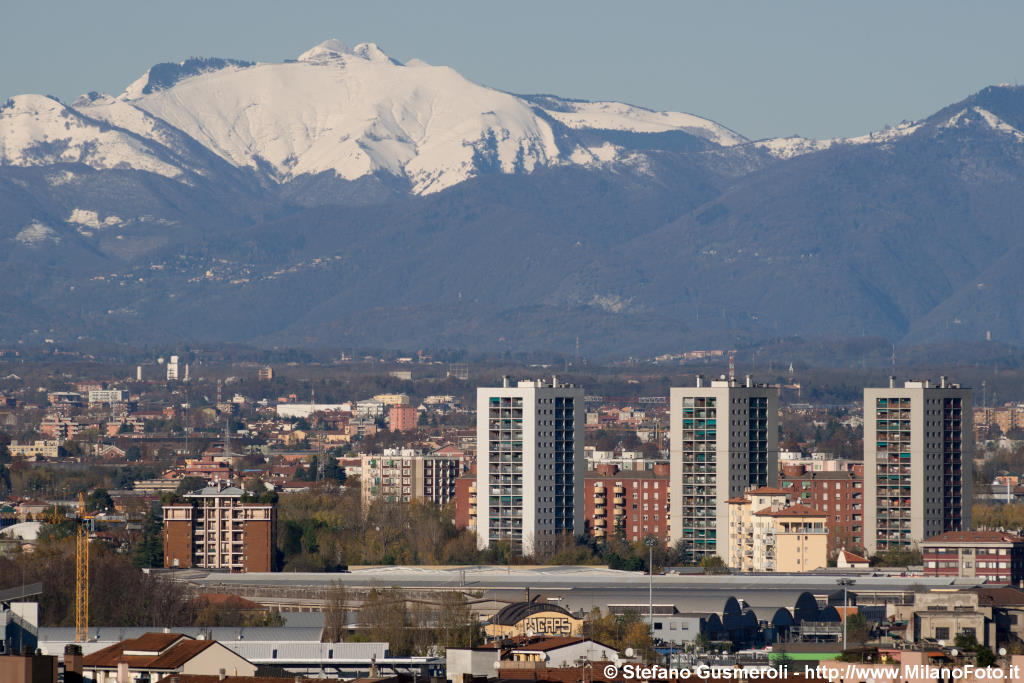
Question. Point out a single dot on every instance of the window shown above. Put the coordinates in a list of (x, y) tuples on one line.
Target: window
[(942, 633)]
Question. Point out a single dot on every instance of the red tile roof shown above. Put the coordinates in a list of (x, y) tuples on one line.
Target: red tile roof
[(974, 537), (768, 491), (798, 510), (854, 559), (163, 652)]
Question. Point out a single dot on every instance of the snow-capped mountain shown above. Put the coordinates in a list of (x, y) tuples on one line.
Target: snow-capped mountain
[(347, 112), (344, 197)]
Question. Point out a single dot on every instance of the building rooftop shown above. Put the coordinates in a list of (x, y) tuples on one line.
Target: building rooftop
[(951, 537), (161, 651), (798, 510)]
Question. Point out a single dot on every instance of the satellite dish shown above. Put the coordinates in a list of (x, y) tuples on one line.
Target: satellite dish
[(629, 652), (529, 633), (497, 664), (954, 652), (1002, 652)]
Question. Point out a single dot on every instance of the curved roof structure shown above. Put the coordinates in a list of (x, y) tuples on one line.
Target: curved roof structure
[(512, 614)]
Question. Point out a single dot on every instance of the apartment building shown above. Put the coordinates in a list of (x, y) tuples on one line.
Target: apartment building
[(918, 450), (768, 533), (107, 396), (994, 556), (402, 418), (465, 500), (630, 504), (839, 494), (405, 474), (216, 530), (724, 440), (530, 463)]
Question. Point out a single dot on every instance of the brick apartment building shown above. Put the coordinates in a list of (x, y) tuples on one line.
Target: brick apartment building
[(840, 495), (994, 556), (216, 530), (465, 500), (402, 418), (633, 503)]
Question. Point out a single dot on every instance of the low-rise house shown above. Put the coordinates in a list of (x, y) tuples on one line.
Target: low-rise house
[(157, 655)]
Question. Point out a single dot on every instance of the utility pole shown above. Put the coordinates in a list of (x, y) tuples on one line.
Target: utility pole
[(845, 583), (649, 542)]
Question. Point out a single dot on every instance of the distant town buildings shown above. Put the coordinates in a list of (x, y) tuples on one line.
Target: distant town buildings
[(529, 463), (918, 461), (215, 529), (723, 440)]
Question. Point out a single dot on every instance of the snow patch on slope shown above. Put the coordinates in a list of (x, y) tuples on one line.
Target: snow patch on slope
[(998, 124), (787, 148), (91, 219), (37, 130), (36, 233), (619, 116)]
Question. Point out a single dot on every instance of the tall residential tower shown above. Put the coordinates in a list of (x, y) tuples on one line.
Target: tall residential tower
[(918, 450), (724, 440), (530, 463)]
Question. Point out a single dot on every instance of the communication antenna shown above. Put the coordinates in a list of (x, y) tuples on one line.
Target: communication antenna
[(732, 366)]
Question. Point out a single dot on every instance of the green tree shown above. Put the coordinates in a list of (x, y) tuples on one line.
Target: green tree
[(149, 548), (190, 484), (713, 564), (98, 500)]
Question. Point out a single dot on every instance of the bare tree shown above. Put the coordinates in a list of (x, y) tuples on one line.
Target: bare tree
[(335, 613)]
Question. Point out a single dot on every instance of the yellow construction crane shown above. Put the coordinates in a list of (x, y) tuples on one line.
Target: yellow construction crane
[(82, 573)]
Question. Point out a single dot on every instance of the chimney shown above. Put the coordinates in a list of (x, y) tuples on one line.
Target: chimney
[(750, 382), (124, 674), (554, 380), (221, 675), (700, 380), (927, 384), (942, 381), (892, 381), (504, 381), (72, 663)]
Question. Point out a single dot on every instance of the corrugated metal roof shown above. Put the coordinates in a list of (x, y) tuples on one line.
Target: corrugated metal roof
[(263, 652)]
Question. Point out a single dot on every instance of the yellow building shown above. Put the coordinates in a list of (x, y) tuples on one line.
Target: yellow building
[(773, 536), (533, 618)]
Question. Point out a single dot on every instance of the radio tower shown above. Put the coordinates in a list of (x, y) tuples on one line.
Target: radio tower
[(732, 366)]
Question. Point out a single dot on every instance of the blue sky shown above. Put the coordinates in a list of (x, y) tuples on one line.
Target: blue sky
[(821, 69)]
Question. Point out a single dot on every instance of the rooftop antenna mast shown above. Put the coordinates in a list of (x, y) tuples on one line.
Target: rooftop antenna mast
[(732, 366)]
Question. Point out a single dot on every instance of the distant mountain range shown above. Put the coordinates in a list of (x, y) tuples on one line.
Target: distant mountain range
[(347, 199)]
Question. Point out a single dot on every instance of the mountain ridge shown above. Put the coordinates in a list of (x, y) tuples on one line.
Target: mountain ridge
[(347, 198)]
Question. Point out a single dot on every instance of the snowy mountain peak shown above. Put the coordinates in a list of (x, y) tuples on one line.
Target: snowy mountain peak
[(334, 50), (329, 50)]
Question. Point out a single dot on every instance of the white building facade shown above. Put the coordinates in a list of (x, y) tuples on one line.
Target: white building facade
[(724, 440), (918, 460), (530, 463)]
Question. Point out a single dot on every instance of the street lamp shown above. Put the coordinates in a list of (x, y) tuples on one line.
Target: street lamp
[(650, 542), (845, 583)]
